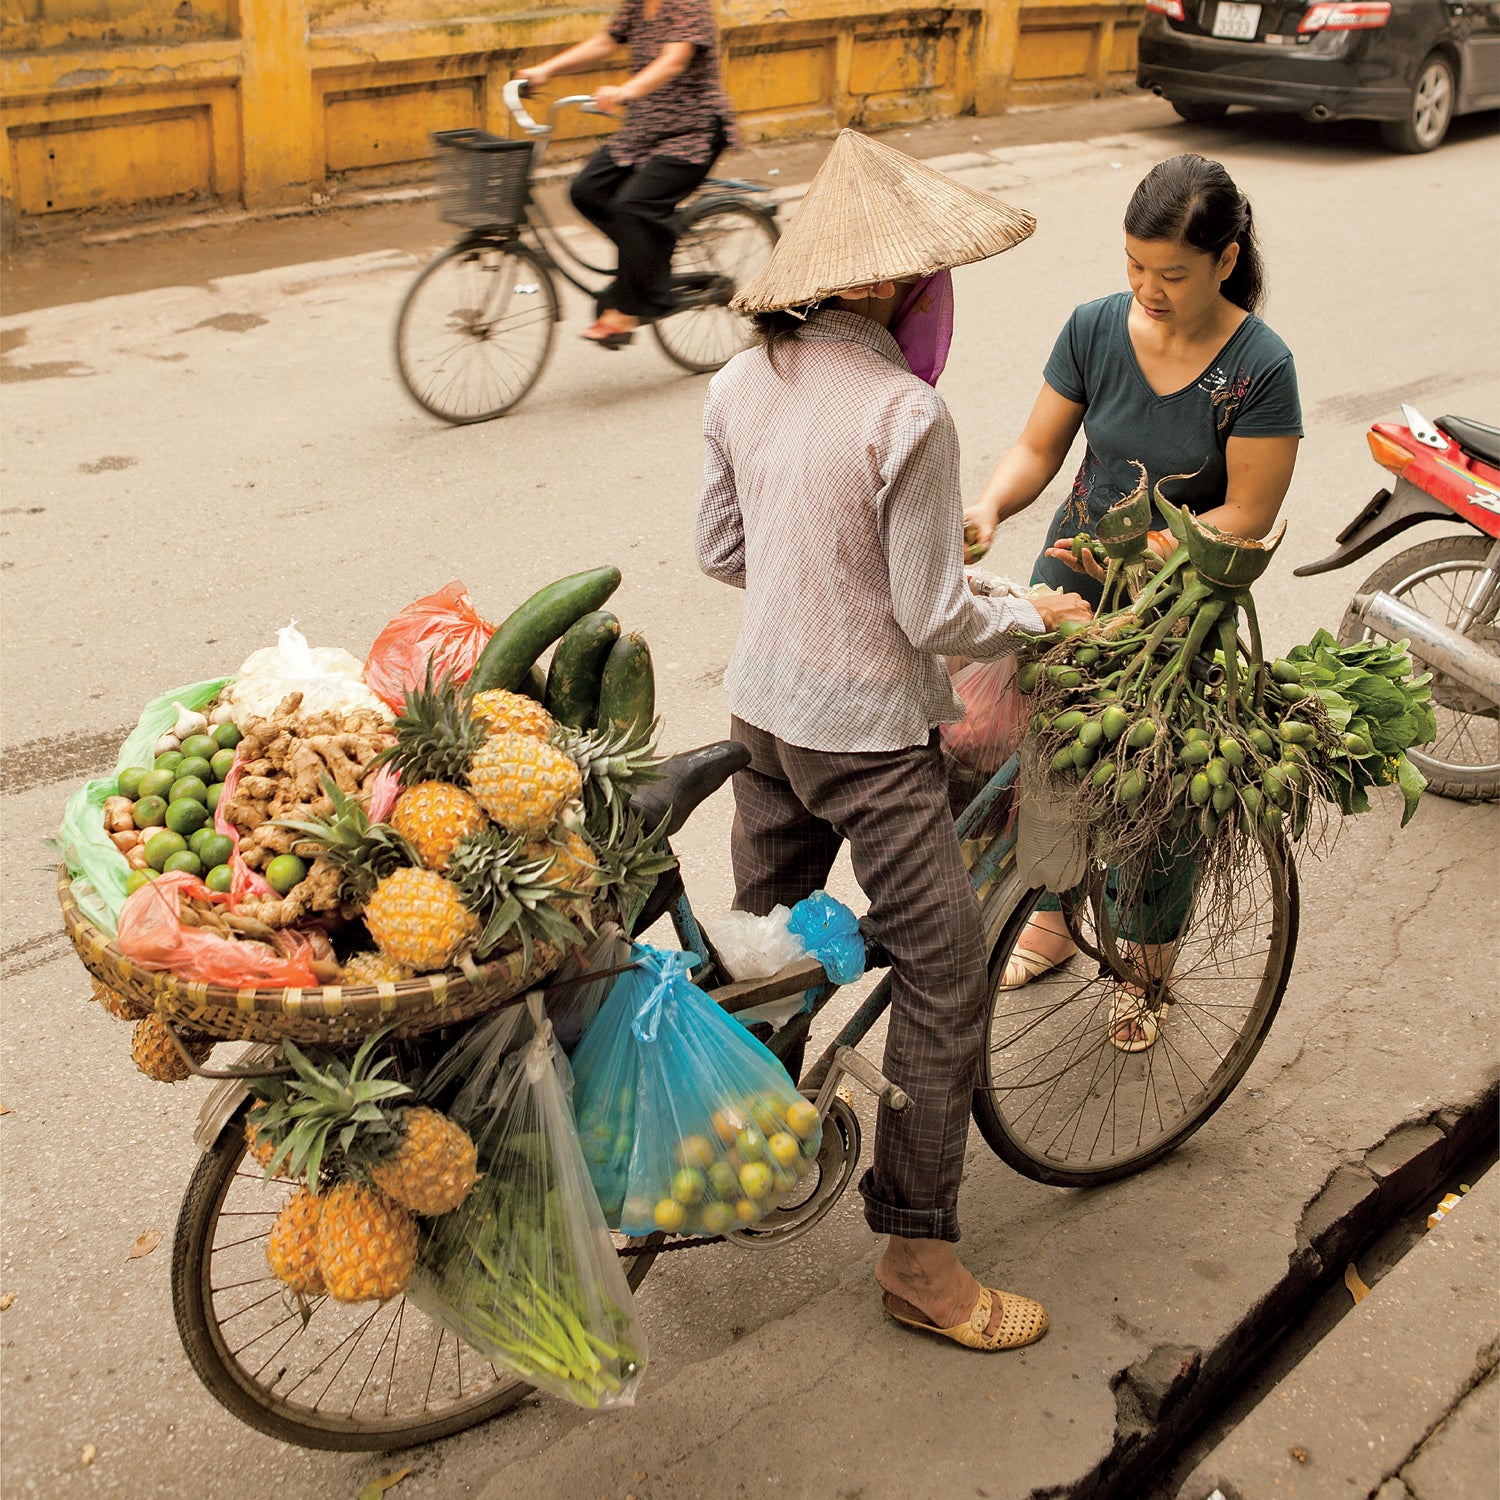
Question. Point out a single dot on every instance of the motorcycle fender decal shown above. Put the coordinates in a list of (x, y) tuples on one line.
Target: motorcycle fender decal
[(1468, 477)]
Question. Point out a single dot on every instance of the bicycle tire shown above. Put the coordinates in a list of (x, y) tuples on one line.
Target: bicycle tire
[(1476, 778), (467, 349), (722, 243), (1070, 1126), (248, 1393)]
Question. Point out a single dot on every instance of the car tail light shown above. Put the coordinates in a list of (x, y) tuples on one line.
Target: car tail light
[(1389, 455), (1171, 9), (1346, 15)]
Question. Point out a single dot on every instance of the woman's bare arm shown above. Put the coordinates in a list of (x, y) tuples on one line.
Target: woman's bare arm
[(1260, 473), (594, 49)]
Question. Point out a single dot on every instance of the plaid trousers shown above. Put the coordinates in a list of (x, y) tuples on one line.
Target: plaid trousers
[(794, 807)]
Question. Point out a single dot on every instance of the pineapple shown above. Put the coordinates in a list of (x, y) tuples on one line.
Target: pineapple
[(434, 817), (292, 1248), (611, 763), (512, 894), (157, 1057), (571, 862), (437, 734), (367, 1244), (417, 919), (361, 851), (121, 1006), (372, 968), (513, 713), (263, 1150), (522, 783), (432, 1167)]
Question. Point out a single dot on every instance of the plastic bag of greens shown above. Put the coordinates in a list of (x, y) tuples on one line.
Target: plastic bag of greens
[(525, 1271), (689, 1124), (98, 869)]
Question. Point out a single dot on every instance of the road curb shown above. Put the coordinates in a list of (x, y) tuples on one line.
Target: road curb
[(1162, 1398)]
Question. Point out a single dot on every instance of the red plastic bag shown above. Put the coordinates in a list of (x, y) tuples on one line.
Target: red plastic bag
[(152, 934), (994, 721), (443, 630)]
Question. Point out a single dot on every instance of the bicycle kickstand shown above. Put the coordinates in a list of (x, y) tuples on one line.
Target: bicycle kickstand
[(846, 1061)]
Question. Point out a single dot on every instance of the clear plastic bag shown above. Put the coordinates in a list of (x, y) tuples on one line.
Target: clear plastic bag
[(328, 677), (996, 713), (443, 632), (525, 1271), (689, 1124), (98, 869), (754, 947), (153, 935)]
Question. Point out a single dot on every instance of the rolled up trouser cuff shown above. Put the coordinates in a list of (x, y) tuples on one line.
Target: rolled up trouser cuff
[(906, 1223)]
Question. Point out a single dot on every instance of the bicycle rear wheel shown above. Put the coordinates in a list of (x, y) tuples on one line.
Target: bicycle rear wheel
[(355, 1377), (1060, 1102), (722, 245), (475, 330)]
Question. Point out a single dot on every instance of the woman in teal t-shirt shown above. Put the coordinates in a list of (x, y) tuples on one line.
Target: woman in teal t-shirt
[(1179, 374)]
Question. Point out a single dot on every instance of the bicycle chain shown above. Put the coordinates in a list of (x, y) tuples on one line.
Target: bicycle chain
[(682, 1242)]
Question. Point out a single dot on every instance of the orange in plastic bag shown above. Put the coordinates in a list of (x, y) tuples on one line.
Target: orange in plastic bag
[(153, 935), (443, 630), (994, 721)]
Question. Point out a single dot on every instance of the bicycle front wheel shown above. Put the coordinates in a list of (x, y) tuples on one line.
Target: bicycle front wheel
[(475, 330), (1060, 1100), (361, 1376), (722, 245)]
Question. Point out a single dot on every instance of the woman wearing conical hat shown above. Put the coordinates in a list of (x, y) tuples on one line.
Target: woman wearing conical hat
[(831, 496)]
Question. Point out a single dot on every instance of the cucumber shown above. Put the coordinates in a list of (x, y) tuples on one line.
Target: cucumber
[(533, 684), (534, 625), (627, 688), (572, 696)]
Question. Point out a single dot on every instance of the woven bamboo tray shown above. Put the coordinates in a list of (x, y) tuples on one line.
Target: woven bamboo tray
[(330, 1016)]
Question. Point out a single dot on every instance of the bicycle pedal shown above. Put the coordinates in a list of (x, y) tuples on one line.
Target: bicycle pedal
[(844, 1092)]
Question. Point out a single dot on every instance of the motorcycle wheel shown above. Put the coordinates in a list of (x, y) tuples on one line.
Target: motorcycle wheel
[(1437, 577)]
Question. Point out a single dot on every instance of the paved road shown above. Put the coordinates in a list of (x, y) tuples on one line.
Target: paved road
[(186, 468)]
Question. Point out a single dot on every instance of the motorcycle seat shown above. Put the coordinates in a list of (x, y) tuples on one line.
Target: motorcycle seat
[(685, 781), (1479, 438)]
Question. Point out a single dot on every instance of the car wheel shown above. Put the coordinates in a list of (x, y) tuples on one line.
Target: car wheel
[(1429, 113), (1199, 114)]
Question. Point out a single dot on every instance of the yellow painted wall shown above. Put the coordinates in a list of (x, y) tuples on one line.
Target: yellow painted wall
[(108, 104)]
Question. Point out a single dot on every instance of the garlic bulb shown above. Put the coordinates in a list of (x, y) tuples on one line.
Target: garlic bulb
[(223, 714), (168, 741), (189, 721)]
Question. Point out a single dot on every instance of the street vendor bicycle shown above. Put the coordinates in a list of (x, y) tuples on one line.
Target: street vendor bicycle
[(475, 330), (1056, 1100)]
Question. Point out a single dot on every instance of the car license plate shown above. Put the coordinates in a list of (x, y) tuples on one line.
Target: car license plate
[(1237, 22)]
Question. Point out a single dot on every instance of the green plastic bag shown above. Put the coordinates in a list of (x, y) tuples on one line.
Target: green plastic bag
[(98, 869)]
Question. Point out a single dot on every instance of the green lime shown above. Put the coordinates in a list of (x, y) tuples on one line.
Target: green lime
[(136, 879), (149, 812), (189, 786), (186, 815), (156, 783), (130, 781), (214, 850), (215, 792), (195, 765), (220, 878), (169, 760), (285, 871), (225, 735), (160, 847), (195, 839), (220, 763), (201, 746), (187, 860)]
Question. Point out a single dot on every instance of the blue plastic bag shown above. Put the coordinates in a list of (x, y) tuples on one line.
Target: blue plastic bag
[(688, 1124), (831, 932)]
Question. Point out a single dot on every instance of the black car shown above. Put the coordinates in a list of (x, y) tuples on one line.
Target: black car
[(1411, 64)]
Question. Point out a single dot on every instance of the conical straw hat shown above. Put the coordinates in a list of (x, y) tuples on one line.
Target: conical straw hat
[(875, 214)]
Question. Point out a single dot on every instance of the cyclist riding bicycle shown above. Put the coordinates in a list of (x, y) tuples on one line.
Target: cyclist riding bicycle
[(677, 121)]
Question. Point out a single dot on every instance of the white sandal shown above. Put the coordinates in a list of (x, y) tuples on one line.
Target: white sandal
[(1141, 1022), (1025, 964)]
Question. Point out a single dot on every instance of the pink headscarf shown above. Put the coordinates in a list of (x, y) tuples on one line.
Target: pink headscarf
[(923, 327)]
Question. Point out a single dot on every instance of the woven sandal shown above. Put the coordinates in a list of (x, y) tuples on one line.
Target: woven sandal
[(1025, 964), (1142, 1022), (1022, 1321)]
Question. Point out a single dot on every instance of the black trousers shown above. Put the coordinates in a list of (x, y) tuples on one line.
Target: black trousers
[(634, 206)]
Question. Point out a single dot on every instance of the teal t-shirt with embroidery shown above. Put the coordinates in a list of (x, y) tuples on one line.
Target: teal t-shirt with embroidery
[(1248, 390)]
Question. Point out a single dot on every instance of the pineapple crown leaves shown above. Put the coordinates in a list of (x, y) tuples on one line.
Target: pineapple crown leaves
[(510, 893), (632, 858), (331, 1102), (436, 733), (363, 852), (612, 761)]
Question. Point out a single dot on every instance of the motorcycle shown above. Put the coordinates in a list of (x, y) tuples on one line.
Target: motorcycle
[(1441, 595)]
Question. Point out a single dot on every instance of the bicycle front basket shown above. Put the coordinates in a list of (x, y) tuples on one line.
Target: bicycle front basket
[(482, 178)]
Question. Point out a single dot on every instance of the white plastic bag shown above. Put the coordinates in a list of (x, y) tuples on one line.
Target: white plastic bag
[(755, 947), (328, 677)]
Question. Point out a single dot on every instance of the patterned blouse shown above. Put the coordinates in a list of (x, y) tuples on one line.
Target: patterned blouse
[(688, 118)]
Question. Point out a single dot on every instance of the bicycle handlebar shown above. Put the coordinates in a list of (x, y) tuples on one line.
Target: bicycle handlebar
[(516, 89)]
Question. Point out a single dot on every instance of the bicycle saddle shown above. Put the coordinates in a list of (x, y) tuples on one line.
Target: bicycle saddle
[(686, 780), (1479, 438)]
